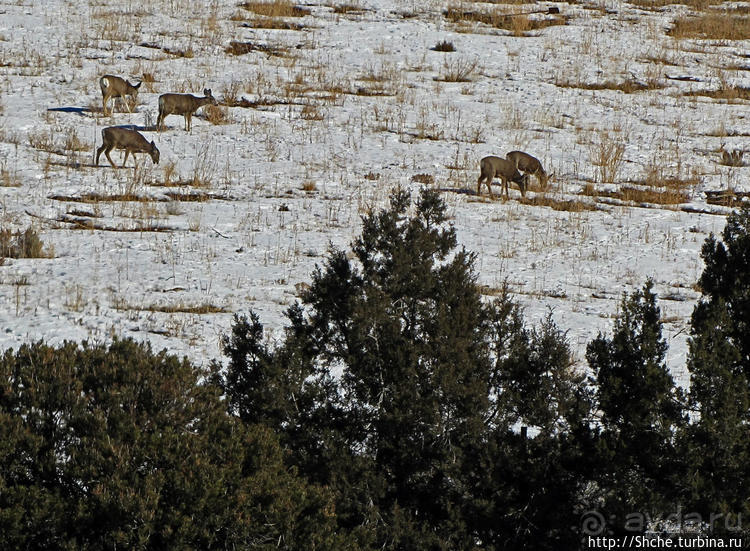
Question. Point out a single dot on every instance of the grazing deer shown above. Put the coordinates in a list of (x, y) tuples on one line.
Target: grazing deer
[(116, 87), (115, 137), (529, 165), (182, 104), (496, 167)]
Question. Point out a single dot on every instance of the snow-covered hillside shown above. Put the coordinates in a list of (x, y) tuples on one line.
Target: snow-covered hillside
[(325, 110)]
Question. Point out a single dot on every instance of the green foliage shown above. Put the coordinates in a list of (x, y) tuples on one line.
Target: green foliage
[(719, 365), (398, 387), (641, 409), (115, 447)]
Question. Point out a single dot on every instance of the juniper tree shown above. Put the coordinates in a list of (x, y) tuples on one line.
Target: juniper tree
[(641, 409), (117, 447), (717, 442), (394, 372)]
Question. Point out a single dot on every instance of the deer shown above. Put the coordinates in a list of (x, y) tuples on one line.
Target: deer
[(116, 87), (529, 165), (182, 104), (496, 167), (115, 137)]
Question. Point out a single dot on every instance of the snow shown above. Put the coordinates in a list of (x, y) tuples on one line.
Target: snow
[(291, 179)]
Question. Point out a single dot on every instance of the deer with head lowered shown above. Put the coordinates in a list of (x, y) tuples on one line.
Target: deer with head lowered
[(116, 87), (115, 137), (182, 104), (529, 165), (496, 167)]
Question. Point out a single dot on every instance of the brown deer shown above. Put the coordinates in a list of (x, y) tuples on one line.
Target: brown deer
[(116, 87), (115, 137), (529, 165), (182, 104), (496, 167)]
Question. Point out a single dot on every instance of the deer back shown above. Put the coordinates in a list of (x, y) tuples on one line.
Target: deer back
[(125, 138), (525, 162)]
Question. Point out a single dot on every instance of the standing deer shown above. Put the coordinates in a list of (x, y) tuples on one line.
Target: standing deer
[(182, 104), (129, 140), (496, 167), (116, 87), (529, 165)]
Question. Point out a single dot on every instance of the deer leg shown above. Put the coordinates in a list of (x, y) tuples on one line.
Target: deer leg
[(99, 152), (187, 121), (159, 121), (127, 152), (106, 152)]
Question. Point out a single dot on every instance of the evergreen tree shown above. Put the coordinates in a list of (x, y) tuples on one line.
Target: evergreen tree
[(115, 447), (717, 442), (395, 374), (641, 409)]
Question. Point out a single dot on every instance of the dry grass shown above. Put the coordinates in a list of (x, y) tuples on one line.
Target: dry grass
[(191, 196), (698, 5), (275, 8), (242, 48), (457, 70), (424, 178), (714, 26), (217, 114), (727, 197), (344, 9), (606, 153), (665, 196), (628, 86), (728, 92), (570, 205), (668, 191), (9, 177), (732, 158), (444, 46), (181, 52), (102, 198), (23, 244), (273, 23), (519, 24), (180, 308)]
